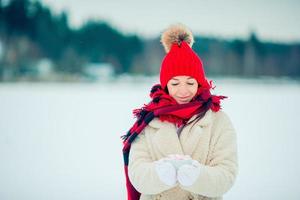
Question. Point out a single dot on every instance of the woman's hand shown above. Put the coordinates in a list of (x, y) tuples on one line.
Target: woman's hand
[(175, 167), (188, 174), (178, 160), (166, 172)]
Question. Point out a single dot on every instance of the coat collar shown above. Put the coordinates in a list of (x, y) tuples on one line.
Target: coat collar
[(204, 121), (166, 140)]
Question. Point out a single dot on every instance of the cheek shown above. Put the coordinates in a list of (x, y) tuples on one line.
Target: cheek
[(193, 90), (172, 91)]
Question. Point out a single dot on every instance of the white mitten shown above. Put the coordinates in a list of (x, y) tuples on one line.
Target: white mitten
[(178, 160), (187, 174), (166, 172)]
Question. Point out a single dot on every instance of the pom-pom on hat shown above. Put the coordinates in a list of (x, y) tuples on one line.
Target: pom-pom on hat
[(180, 59)]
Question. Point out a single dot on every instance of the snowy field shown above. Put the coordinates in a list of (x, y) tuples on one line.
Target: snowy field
[(61, 141)]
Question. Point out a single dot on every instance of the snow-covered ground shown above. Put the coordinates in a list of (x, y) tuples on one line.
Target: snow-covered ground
[(62, 141)]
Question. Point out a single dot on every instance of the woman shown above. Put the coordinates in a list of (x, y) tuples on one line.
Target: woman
[(182, 145)]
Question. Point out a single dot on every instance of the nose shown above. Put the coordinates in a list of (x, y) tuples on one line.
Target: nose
[(183, 91)]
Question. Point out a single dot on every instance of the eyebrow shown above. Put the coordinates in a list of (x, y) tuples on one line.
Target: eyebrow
[(178, 79)]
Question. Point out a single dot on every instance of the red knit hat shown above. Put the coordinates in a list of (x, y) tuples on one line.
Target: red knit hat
[(180, 58)]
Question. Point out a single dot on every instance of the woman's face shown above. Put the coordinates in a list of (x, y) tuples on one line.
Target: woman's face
[(182, 88)]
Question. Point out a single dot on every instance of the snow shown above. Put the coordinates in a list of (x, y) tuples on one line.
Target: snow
[(62, 141)]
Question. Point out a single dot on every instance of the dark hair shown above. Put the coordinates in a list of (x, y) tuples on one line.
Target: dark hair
[(200, 115), (166, 90)]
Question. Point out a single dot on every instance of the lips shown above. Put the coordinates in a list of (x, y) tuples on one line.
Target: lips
[(186, 97), (183, 99)]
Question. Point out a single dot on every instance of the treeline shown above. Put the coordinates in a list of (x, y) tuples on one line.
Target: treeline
[(241, 58), (250, 58), (30, 32)]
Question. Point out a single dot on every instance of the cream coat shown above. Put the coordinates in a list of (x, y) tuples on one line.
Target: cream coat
[(211, 141)]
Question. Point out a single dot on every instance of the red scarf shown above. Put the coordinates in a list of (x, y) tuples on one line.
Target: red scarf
[(166, 108)]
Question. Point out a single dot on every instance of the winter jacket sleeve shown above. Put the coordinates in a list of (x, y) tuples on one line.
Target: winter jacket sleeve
[(219, 174), (141, 169)]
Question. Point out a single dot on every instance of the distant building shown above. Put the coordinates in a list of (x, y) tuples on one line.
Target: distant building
[(99, 71), (44, 67)]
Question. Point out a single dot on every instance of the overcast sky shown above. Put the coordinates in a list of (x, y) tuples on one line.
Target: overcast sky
[(272, 20)]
